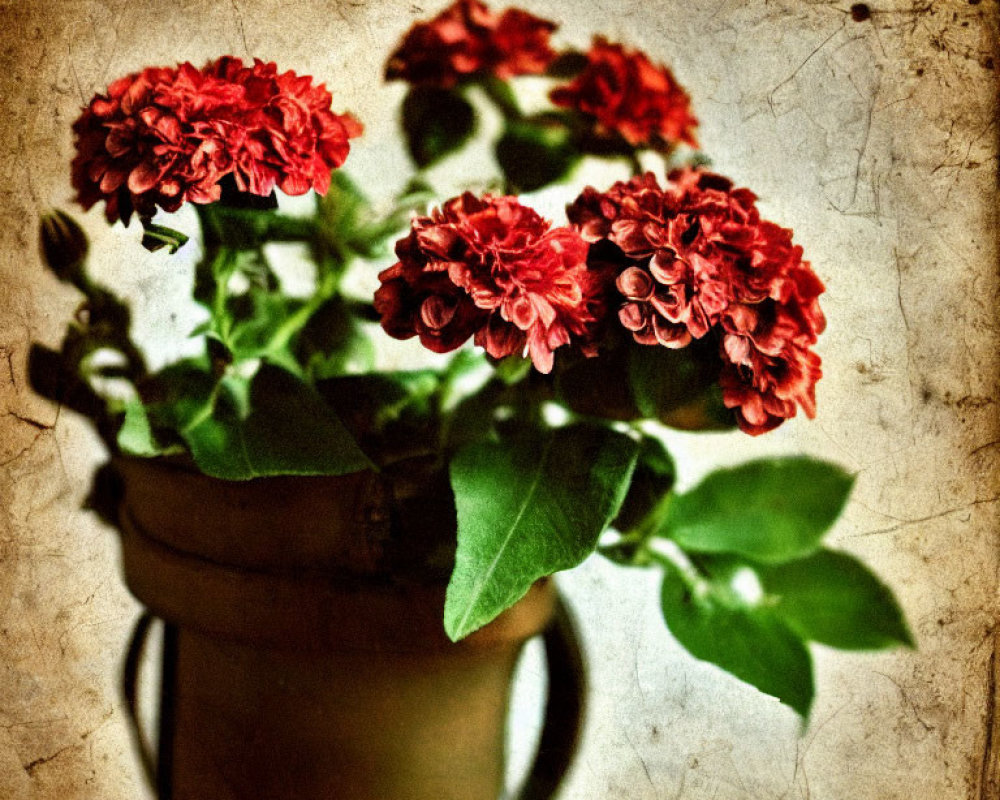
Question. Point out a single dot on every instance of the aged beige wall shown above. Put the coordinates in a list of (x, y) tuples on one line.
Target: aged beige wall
[(875, 139)]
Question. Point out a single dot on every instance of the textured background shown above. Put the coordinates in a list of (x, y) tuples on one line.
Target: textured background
[(876, 140)]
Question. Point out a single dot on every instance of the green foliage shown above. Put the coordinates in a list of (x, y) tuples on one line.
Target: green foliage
[(536, 151), (155, 237), (333, 343), (754, 619), (663, 379), (528, 508), (347, 226), (285, 386), (771, 510), (717, 624), (831, 598), (747, 584), (654, 477), (371, 401), (436, 122), (136, 437), (240, 428), (284, 428)]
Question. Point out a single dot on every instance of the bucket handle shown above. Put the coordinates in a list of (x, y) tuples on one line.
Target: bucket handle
[(564, 705)]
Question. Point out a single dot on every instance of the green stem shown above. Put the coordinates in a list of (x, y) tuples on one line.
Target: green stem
[(653, 521), (222, 269), (633, 546), (283, 228), (635, 163), (295, 322), (674, 557), (503, 97), (204, 413)]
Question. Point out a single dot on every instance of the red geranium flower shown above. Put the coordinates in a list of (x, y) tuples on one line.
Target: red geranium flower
[(493, 269), (166, 135), (629, 95), (467, 38), (696, 256)]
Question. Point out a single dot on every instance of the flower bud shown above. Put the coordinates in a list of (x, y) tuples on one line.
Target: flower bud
[(64, 245)]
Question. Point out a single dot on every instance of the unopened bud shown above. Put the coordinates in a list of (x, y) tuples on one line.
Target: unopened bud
[(64, 245)]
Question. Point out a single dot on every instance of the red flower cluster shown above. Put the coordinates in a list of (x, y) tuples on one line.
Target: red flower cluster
[(467, 38), (627, 94), (166, 135), (697, 256), (493, 269)]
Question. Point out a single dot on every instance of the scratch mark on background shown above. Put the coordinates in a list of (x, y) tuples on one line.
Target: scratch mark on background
[(32, 766), (808, 58), (905, 522), (240, 26)]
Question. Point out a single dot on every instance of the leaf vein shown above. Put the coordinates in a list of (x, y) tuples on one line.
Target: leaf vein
[(510, 533)]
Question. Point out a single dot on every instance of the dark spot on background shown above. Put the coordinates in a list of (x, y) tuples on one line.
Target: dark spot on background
[(860, 12)]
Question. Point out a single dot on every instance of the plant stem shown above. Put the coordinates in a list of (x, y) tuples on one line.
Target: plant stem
[(675, 557), (294, 323), (633, 546), (503, 97), (635, 163), (284, 228), (653, 521), (223, 264)]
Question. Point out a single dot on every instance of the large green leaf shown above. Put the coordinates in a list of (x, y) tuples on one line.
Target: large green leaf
[(273, 425), (436, 122), (716, 624), (537, 151), (832, 598), (529, 508), (771, 510)]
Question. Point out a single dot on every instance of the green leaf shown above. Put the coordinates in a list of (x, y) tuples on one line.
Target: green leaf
[(256, 315), (832, 598), (567, 64), (536, 151), (501, 93), (289, 430), (348, 226), (749, 641), (251, 228), (392, 414), (155, 237), (513, 369), (771, 510), (529, 508), (436, 122), (663, 379), (654, 477), (472, 419), (135, 436)]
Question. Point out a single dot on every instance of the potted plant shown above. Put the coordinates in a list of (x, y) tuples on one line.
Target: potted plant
[(350, 556)]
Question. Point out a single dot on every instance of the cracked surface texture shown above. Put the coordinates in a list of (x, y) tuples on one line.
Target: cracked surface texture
[(872, 131)]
